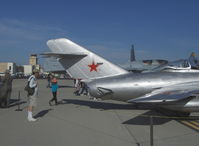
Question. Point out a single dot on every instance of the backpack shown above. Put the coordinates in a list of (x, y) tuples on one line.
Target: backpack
[(28, 89)]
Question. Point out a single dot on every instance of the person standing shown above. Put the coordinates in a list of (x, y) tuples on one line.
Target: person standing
[(6, 88), (77, 87), (54, 87), (84, 89), (49, 80), (193, 61), (32, 97)]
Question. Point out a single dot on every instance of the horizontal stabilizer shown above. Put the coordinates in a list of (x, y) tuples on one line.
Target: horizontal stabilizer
[(61, 55), (51, 64), (66, 60)]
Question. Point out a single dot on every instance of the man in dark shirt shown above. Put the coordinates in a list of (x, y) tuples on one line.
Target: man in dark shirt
[(6, 89)]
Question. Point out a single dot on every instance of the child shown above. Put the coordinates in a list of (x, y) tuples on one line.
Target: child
[(54, 88)]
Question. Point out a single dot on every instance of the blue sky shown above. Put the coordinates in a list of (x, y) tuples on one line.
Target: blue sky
[(164, 29)]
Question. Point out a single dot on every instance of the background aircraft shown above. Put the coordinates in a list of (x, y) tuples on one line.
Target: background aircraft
[(141, 65), (170, 90), (182, 65), (51, 64)]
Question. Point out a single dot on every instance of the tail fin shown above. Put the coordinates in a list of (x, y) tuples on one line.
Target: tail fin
[(81, 63)]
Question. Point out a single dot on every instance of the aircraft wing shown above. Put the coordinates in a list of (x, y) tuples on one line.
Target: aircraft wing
[(172, 93)]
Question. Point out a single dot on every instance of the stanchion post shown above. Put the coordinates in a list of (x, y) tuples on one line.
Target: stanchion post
[(19, 100), (151, 130)]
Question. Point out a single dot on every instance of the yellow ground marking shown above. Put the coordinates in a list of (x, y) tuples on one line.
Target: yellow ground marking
[(190, 125), (194, 122)]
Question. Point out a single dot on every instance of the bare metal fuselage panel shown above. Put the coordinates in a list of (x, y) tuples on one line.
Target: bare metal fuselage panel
[(168, 89)]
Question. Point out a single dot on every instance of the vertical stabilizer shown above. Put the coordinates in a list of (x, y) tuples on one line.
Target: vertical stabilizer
[(82, 63)]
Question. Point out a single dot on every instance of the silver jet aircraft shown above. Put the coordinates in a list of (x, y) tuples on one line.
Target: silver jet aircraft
[(176, 91), (182, 65)]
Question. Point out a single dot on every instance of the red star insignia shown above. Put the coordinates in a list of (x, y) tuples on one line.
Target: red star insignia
[(93, 66)]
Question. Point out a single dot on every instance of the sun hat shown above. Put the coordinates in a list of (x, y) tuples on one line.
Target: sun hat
[(35, 71), (54, 80)]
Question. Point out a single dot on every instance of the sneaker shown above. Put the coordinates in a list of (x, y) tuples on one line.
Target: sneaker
[(95, 99), (32, 119)]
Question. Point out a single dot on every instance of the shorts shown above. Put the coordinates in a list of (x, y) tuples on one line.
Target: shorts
[(32, 101)]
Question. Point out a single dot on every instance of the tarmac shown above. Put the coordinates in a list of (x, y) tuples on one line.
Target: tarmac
[(78, 120)]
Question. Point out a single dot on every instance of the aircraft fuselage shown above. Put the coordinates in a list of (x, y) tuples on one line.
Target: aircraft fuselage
[(132, 85)]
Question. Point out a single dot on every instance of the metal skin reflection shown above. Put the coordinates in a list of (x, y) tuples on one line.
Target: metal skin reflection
[(130, 86), (176, 91)]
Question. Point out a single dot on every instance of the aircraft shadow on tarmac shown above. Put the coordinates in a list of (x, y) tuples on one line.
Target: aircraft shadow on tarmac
[(42, 113), (144, 119), (159, 118), (99, 104)]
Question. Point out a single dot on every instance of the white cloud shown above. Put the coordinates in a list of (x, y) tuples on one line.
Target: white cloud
[(21, 38), (14, 29)]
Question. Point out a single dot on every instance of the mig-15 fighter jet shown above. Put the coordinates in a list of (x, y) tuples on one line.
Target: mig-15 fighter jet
[(176, 91)]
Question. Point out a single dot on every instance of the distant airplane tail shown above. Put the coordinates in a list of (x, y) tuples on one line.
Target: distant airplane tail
[(81, 63)]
